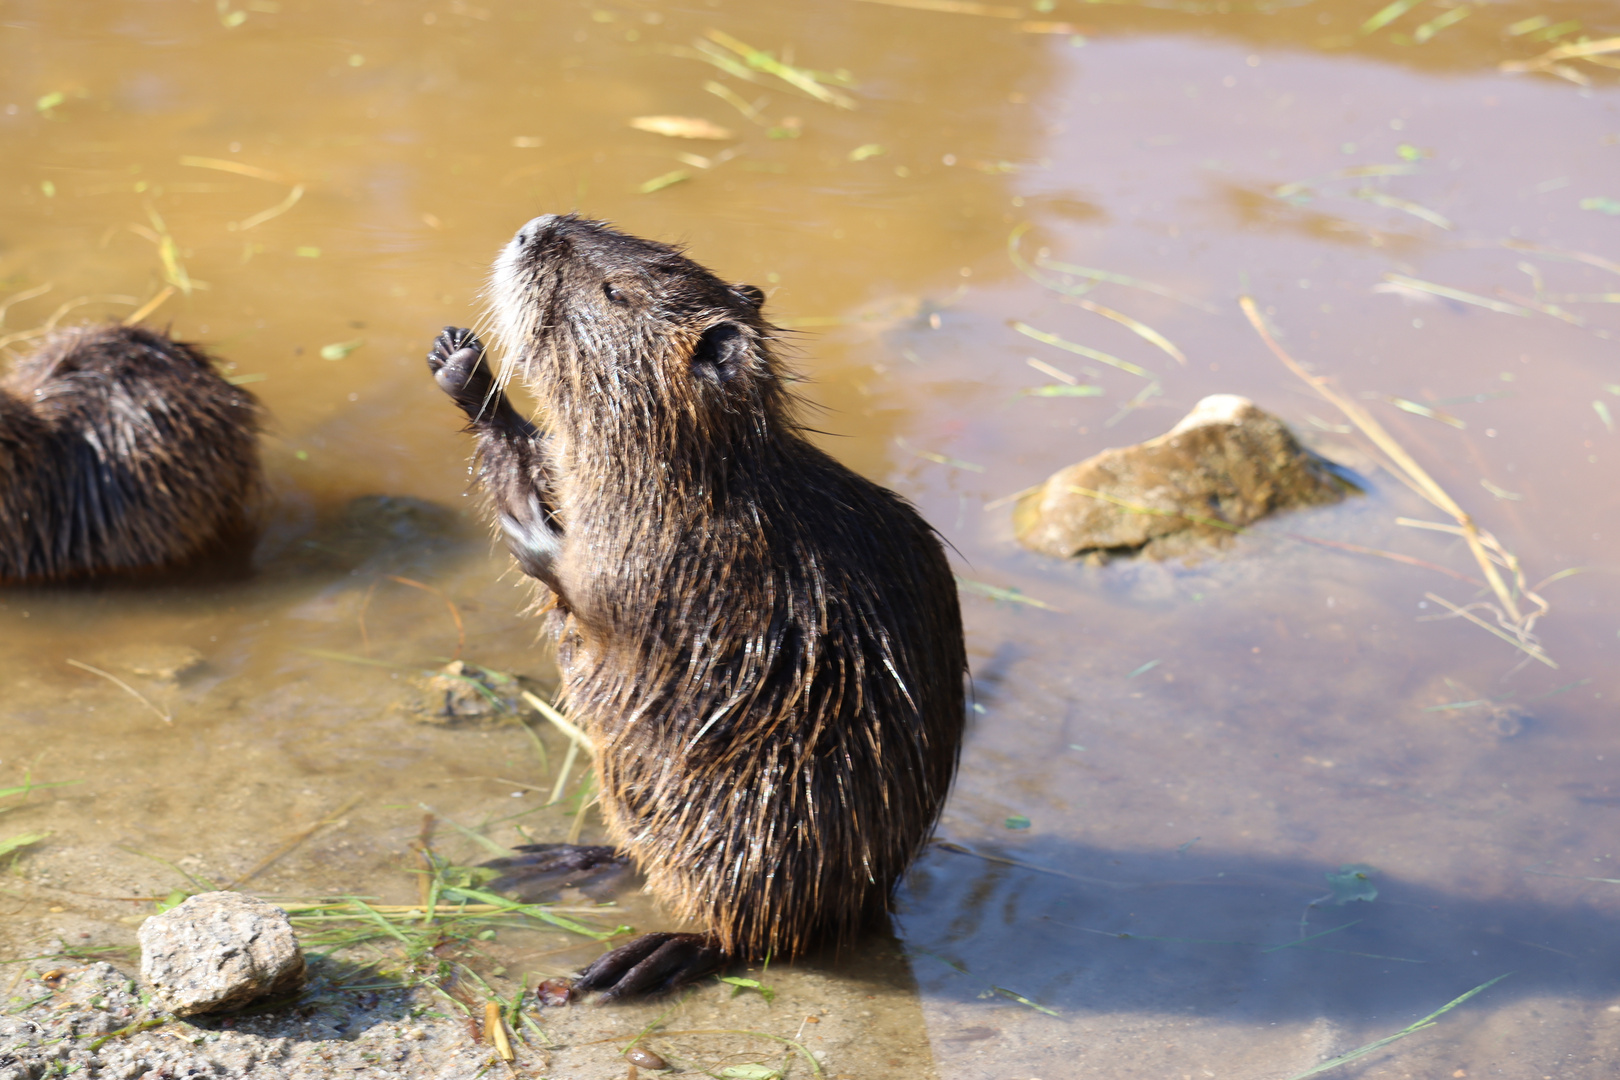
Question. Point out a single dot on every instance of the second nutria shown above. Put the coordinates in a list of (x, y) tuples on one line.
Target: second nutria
[(765, 648), (121, 450)]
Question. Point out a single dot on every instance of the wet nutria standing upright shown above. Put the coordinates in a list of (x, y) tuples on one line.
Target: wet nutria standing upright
[(764, 647), (121, 450)]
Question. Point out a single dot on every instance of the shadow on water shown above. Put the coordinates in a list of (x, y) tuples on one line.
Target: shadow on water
[(1204, 933)]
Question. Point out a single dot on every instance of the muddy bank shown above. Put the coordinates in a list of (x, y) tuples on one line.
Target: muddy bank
[(92, 1017)]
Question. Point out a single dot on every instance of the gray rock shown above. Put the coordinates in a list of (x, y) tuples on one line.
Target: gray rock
[(219, 951), (1224, 466)]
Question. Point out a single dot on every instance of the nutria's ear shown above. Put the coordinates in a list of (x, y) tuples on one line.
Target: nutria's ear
[(720, 352), (751, 293)]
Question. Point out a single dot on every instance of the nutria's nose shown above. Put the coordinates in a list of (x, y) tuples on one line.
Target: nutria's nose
[(534, 227)]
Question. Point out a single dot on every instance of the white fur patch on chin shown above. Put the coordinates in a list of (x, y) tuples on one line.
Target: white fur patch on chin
[(506, 307)]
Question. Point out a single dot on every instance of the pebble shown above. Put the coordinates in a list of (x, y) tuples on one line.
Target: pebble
[(218, 951), (646, 1059)]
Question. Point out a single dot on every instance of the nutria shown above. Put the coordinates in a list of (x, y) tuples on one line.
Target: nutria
[(764, 648), (121, 451)]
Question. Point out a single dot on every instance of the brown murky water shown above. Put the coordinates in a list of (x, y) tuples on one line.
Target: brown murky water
[(1167, 759)]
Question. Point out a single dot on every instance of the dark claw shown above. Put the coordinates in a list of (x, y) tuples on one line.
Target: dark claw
[(652, 964), (545, 868)]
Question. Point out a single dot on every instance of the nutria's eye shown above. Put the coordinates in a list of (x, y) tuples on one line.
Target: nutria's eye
[(720, 352), (614, 295)]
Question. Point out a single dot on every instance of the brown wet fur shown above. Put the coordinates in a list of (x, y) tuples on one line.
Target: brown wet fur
[(765, 647), (122, 452)]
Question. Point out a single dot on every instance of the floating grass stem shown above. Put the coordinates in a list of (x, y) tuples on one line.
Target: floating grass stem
[(1488, 552), (1152, 389), (1393, 556), (1448, 18), (995, 592), (800, 79), (128, 689), (455, 615), (1426, 1022), (1417, 409), (20, 841), (562, 774), (662, 181), (1081, 350), (237, 167), (146, 309), (275, 211), (1140, 329), (1532, 649), (954, 7), (1550, 61), (1388, 14), (1378, 198), (576, 737), (26, 294), (1123, 279), (939, 459), (1457, 294), (1296, 188), (1022, 1000)]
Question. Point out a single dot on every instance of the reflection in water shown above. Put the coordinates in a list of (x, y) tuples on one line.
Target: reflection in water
[(1178, 753)]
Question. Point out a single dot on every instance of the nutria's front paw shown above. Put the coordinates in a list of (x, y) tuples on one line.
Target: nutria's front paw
[(457, 364)]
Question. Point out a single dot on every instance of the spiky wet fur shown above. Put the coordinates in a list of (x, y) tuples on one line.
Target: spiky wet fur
[(121, 450), (765, 647)]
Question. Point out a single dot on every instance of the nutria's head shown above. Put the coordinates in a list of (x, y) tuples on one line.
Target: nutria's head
[(610, 331)]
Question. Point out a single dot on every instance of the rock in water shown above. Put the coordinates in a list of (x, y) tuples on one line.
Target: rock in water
[(219, 951), (1227, 461)]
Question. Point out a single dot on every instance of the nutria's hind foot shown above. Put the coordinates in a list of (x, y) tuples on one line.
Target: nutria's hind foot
[(542, 869), (652, 964), (457, 364)]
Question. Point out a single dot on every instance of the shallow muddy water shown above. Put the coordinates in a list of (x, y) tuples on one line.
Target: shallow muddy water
[(1166, 761)]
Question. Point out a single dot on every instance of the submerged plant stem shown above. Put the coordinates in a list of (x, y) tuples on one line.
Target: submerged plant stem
[(1427, 1021), (1423, 483), (128, 689)]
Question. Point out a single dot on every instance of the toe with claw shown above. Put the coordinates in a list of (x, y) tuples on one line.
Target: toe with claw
[(652, 964)]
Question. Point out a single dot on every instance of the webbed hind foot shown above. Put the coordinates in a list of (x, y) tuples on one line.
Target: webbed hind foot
[(542, 869), (652, 964)]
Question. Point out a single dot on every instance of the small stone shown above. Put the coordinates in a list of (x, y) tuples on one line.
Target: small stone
[(552, 993), (1224, 466), (167, 664), (646, 1059), (219, 951)]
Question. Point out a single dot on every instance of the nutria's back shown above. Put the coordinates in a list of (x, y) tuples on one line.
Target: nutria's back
[(765, 647), (121, 450)]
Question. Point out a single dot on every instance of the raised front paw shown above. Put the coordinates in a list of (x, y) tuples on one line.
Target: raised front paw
[(457, 364), (652, 964)]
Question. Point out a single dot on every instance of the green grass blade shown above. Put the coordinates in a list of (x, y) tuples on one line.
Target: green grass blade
[(1427, 1021)]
